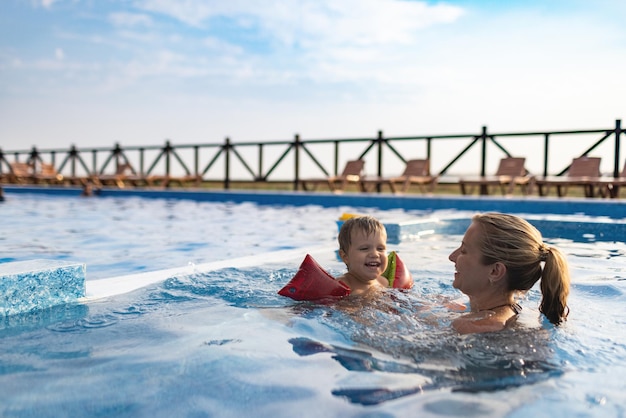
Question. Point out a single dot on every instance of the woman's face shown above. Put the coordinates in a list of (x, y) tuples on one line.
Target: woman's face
[(471, 275), (367, 256)]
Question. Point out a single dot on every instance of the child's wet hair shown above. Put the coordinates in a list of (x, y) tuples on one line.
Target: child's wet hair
[(366, 223)]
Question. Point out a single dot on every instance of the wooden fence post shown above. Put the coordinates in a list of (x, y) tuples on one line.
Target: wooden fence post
[(380, 140), (618, 132), (483, 163), (296, 146), (227, 164)]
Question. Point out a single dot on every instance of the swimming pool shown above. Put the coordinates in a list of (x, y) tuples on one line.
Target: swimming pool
[(221, 342)]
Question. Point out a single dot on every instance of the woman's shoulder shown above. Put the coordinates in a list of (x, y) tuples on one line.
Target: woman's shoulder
[(485, 321)]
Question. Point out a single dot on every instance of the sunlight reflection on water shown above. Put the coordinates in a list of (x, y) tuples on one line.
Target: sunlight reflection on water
[(223, 342)]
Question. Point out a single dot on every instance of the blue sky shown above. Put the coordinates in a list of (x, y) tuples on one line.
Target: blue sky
[(96, 72)]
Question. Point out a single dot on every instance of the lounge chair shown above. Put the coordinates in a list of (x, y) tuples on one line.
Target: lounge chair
[(40, 172), (416, 172), (21, 173), (609, 186), (351, 174), (511, 172), (584, 171), (125, 175), (46, 173)]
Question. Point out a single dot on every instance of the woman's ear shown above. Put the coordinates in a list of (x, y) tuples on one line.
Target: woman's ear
[(497, 272)]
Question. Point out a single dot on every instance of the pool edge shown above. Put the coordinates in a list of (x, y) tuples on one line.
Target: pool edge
[(613, 208)]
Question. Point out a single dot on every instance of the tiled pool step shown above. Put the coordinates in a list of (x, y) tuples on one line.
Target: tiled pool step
[(39, 284)]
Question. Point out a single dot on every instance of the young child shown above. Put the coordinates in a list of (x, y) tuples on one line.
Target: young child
[(363, 248)]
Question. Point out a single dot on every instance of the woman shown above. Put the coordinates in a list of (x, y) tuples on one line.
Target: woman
[(499, 256)]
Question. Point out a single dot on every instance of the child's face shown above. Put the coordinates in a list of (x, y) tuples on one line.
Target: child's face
[(367, 256)]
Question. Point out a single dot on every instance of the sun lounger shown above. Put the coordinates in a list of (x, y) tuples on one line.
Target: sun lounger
[(511, 172), (351, 174), (609, 186), (583, 171), (46, 173), (21, 173), (416, 172), (124, 176)]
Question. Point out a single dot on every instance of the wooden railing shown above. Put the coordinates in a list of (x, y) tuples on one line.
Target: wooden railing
[(547, 153)]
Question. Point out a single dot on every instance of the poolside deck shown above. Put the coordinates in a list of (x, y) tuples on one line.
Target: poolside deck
[(445, 187)]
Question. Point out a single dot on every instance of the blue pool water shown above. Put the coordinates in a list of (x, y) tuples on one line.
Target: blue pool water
[(221, 342)]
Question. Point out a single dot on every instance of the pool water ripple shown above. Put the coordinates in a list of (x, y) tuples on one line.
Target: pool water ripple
[(224, 343)]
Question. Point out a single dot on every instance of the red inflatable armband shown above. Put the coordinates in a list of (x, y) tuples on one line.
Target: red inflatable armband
[(312, 282), (397, 272)]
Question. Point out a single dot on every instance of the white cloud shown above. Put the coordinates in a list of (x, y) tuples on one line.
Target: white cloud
[(321, 68), (352, 41), (123, 19), (222, 48), (47, 3), (348, 41), (363, 22)]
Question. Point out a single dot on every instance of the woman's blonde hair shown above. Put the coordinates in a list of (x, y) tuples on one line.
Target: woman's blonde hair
[(517, 244), (367, 224)]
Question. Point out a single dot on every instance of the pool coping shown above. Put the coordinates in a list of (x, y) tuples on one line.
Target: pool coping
[(611, 208)]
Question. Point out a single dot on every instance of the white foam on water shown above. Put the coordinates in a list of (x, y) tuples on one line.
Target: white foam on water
[(103, 288)]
